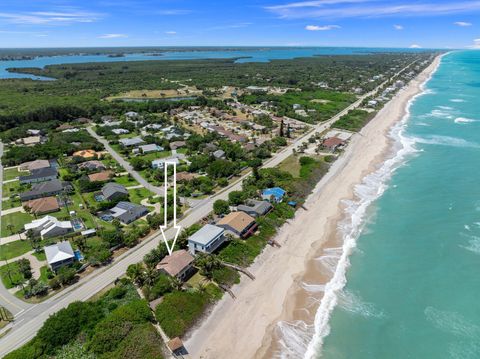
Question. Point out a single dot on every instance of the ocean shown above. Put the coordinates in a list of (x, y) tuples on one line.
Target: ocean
[(241, 55), (412, 279)]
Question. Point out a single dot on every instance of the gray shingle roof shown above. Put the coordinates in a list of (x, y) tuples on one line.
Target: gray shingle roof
[(111, 189)]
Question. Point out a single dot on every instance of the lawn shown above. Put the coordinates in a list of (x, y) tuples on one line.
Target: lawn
[(139, 194), (17, 221), (11, 188), (14, 249), (44, 274), (354, 120), (15, 278), (12, 173), (155, 156), (291, 165), (40, 255), (11, 203), (126, 181), (5, 317)]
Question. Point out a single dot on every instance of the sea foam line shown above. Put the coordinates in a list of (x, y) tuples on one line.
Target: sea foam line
[(372, 187)]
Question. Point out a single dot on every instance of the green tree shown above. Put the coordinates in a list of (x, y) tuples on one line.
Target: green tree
[(221, 207)]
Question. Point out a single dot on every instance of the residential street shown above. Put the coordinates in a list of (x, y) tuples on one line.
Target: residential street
[(31, 317), (125, 164)]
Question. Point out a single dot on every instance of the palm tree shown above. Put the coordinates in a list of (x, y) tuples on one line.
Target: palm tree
[(176, 283), (135, 273), (150, 276), (34, 240), (10, 228), (207, 264)]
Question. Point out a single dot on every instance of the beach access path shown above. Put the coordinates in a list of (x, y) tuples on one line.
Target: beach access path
[(29, 321), (243, 328)]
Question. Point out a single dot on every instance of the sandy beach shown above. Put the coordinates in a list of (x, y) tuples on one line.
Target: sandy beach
[(247, 327)]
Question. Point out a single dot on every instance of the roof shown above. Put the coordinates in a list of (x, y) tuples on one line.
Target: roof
[(37, 164), (186, 176), (100, 176), (85, 153), (275, 191), (40, 173), (218, 153), (31, 140), (206, 234), (42, 205), (175, 344), (44, 187), (259, 207), (333, 142), (127, 211), (150, 148), (176, 262), (59, 252), (177, 144), (112, 188), (94, 164), (237, 220), (163, 160), (127, 142)]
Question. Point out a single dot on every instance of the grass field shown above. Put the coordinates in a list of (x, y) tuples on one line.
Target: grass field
[(14, 249), (291, 165), (11, 203), (12, 173), (15, 277), (11, 188), (16, 221), (126, 181), (139, 194)]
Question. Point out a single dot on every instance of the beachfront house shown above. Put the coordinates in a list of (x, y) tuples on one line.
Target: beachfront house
[(274, 194), (178, 265), (59, 255), (333, 143), (238, 224), (206, 240), (255, 208), (49, 227)]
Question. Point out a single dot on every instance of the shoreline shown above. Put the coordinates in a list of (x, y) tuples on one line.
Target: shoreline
[(278, 306)]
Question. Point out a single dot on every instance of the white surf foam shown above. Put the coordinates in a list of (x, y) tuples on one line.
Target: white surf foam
[(445, 141), (464, 120), (294, 339), (452, 322), (457, 100), (448, 108), (440, 114), (353, 303), (372, 187)]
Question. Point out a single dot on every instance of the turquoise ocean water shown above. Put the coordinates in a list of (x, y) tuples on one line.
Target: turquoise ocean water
[(241, 54), (413, 286)]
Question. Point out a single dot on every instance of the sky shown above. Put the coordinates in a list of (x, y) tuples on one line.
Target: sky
[(365, 23)]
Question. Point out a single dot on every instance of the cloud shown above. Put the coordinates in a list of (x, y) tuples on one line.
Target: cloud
[(462, 23), (112, 36), (398, 27), (415, 46), (170, 32), (369, 9), (174, 12), (49, 17), (321, 28), (476, 44)]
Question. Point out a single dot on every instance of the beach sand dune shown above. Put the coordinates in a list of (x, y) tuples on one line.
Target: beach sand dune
[(245, 328)]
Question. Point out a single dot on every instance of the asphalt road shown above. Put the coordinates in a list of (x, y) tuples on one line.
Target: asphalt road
[(7, 300), (125, 164), (29, 321)]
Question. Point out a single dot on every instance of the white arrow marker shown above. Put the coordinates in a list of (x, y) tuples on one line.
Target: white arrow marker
[(165, 208)]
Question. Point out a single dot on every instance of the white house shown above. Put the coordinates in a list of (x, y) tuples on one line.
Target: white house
[(160, 163), (206, 240), (48, 227), (59, 255), (120, 131)]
